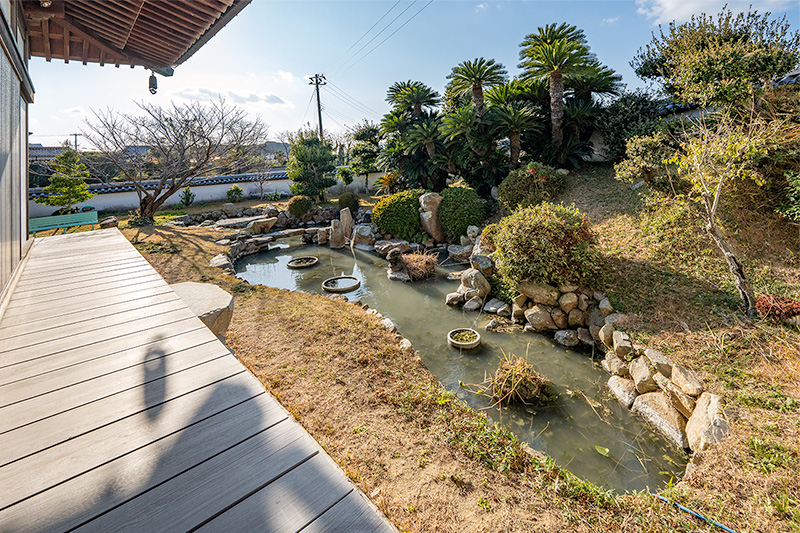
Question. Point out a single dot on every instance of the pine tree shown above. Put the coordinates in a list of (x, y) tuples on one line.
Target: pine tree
[(67, 186)]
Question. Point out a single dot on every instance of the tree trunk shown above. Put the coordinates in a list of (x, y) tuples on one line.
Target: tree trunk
[(515, 142), (431, 149), (147, 206), (737, 270), (556, 106), (477, 98)]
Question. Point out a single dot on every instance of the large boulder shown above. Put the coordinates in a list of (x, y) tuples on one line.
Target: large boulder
[(568, 301), (221, 261), (473, 232), (566, 337), (656, 408), (363, 236), (686, 380), (706, 425), (230, 210), (110, 222), (429, 216), (262, 225), (383, 248), (494, 305), (642, 375), (539, 292), (659, 361), (622, 344), (346, 220), (212, 305), (614, 365), (684, 403), (539, 318), (460, 254), (473, 284), (336, 238), (482, 263)]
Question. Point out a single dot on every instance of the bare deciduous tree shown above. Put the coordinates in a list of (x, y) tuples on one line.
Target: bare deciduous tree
[(172, 145)]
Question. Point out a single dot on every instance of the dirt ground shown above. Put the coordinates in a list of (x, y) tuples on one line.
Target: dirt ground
[(433, 464)]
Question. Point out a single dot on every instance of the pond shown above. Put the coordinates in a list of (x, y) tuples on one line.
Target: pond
[(575, 432)]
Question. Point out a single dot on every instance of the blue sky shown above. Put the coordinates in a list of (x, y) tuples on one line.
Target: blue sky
[(261, 59)]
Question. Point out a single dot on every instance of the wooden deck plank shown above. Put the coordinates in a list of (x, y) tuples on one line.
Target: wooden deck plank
[(55, 289), (156, 365), (43, 267), (81, 316), (85, 270), (42, 434), (93, 369), (144, 454), (116, 346), (288, 503), (351, 515)]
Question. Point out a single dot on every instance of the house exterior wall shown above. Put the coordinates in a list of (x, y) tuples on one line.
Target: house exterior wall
[(15, 94)]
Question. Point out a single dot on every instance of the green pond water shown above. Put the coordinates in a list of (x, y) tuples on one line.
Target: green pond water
[(575, 432)]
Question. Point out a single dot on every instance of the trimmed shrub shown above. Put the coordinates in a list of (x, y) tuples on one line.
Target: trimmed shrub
[(488, 235), (300, 205), (398, 214), (550, 244), (234, 194), (531, 185), (187, 196), (461, 207), (350, 200)]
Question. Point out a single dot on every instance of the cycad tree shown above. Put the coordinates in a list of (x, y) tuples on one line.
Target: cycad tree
[(511, 120), (470, 77), (596, 79), (554, 52)]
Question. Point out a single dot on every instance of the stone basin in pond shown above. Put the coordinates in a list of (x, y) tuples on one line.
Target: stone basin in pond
[(584, 416)]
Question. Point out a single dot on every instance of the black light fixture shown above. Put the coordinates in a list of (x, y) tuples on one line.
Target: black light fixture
[(153, 83)]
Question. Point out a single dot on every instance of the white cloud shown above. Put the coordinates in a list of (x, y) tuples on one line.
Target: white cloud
[(483, 6), (611, 20), (665, 11), (75, 111)]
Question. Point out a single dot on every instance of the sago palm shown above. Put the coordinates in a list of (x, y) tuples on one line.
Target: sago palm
[(424, 134), (412, 96), (596, 79), (470, 77), (553, 52), (511, 120)]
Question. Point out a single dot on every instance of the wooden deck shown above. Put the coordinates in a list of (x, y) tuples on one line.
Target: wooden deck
[(121, 411)]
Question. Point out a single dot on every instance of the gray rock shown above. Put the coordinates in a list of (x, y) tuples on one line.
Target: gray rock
[(583, 302), (346, 221), (642, 375), (615, 318), (453, 276), (230, 210), (560, 318), (388, 325), (223, 242), (539, 318), (576, 318), (566, 337), (585, 336), (362, 235), (473, 304), (405, 344), (212, 305), (504, 311), (262, 225), (681, 401), (397, 275), (113, 222), (460, 254), (607, 335), (659, 361), (221, 261), (622, 344), (465, 241), (494, 192), (594, 331), (383, 248), (482, 263), (453, 298), (473, 280), (568, 301), (657, 409), (605, 307), (364, 247), (322, 236), (492, 325), (567, 288), (539, 293), (429, 216), (336, 238), (598, 296), (594, 316), (472, 233), (623, 389), (236, 222), (686, 380), (517, 313), (520, 300), (207, 223), (614, 365), (493, 305), (706, 425)]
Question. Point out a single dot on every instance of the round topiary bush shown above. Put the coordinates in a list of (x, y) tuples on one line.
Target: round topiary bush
[(398, 214), (548, 243), (300, 205), (350, 200), (488, 235), (461, 207), (529, 186)]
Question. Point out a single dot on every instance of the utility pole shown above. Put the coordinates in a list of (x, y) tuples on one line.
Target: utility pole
[(317, 80), (76, 140)]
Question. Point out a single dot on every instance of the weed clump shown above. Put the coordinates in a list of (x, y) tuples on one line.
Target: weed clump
[(420, 265), (516, 381)]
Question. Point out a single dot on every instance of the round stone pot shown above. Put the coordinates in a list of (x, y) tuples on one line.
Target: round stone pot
[(464, 345), (302, 262), (341, 284)]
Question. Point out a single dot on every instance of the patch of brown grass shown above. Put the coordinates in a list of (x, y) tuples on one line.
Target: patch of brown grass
[(420, 265)]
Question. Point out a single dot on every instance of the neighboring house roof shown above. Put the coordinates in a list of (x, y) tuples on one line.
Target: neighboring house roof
[(44, 153), (126, 186), (152, 33)]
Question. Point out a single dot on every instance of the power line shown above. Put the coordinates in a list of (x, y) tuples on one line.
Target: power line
[(364, 35), (378, 34), (316, 81), (389, 37), (345, 95), (308, 105), (350, 104)]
